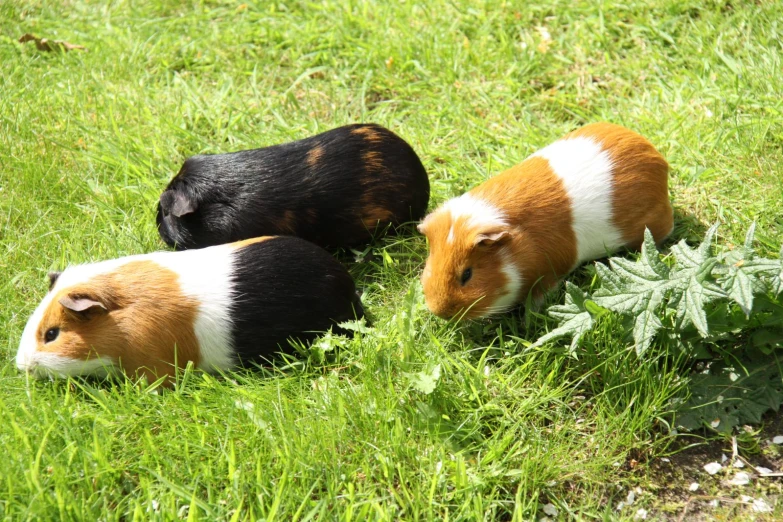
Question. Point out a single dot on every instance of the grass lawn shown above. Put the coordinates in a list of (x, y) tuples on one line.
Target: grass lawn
[(353, 429)]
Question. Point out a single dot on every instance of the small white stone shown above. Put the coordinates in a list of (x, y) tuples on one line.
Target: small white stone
[(761, 506), (620, 506), (740, 479), (745, 498), (664, 459), (763, 470), (550, 510), (714, 503), (777, 439), (694, 486), (712, 468), (630, 498), (738, 463), (733, 376), (719, 399), (641, 514), (723, 458), (715, 423)]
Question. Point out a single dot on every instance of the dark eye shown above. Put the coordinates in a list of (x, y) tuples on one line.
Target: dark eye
[(51, 334), (466, 275)]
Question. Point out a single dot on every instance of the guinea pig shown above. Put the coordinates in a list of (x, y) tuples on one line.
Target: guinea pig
[(218, 307), (583, 196), (335, 189)]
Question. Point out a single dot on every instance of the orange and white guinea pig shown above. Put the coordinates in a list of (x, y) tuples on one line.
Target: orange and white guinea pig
[(217, 307), (583, 196)]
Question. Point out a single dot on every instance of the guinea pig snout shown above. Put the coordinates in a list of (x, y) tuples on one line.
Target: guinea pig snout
[(442, 307), (24, 362)]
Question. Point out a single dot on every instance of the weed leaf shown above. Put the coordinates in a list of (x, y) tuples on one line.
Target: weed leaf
[(574, 317)]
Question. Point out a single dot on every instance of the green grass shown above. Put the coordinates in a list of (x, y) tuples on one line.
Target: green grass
[(89, 139)]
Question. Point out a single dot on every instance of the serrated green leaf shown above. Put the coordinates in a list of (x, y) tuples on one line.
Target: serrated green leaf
[(609, 280), (359, 326), (652, 258), (740, 289), (725, 397), (645, 327), (705, 248), (575, 320), (749, 238), (425, 382)]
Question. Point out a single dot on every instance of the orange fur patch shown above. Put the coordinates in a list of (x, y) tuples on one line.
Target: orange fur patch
[(370, 134), (638, 170), (253, 240), (148, 325), (314, 155), (373, 160), (374, 216)]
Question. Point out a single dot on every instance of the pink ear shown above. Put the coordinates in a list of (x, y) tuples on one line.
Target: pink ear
[(181, 204), (81, 305), (487, 239)]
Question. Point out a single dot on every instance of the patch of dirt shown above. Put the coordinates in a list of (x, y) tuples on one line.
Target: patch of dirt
[(716, 497)]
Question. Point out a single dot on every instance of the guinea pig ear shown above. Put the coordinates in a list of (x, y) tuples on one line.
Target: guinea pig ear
[(82, 305), (180, 203), (491, 238), (53, 278)]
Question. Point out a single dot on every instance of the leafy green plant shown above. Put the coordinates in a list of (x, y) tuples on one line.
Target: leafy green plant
[(721, 308)]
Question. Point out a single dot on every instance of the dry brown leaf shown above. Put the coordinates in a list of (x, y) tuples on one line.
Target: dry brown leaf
[(44, 44)]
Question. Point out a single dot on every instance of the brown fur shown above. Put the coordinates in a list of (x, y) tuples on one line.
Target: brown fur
[(245, 242), (639, 169), (371, 216), (369, 134), (314, 155), (374, 161), (147, 325)]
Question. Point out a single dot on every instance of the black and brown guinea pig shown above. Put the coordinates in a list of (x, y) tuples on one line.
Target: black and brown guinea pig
[(580, 198), (335, 189), (217, 307)]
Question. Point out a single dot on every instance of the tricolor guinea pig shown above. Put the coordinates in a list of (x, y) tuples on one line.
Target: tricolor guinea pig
[(217, 307), (335, 189), (580, 198)]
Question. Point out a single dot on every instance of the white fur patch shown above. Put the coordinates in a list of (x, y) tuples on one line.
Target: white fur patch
[(450, 237), (478, 212), (205, 275), (586, 170), (49, 364), (510, 294)]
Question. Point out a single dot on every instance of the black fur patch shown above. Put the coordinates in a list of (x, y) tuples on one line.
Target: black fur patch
[(321, 188), (287, 288)]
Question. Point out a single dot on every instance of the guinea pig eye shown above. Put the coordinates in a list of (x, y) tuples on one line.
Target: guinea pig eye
[(466, 275), (51, 334)]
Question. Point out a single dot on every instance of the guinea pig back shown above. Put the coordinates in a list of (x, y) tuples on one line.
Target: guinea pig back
[(580, 198), (335, 189), (217, 307)]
